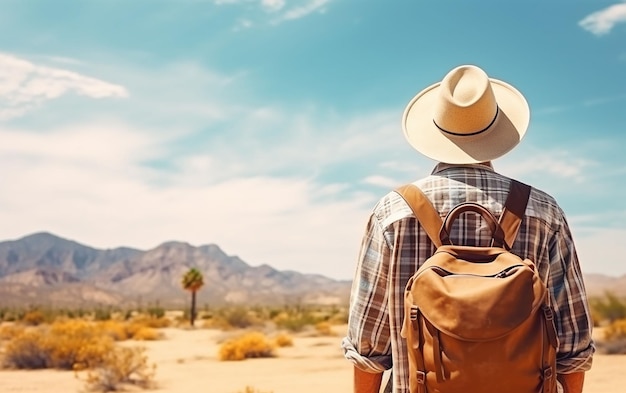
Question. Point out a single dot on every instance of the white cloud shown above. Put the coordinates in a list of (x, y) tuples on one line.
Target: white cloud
[(255, 190), (604, 100), (90, 181), (243, 24), (273, 5), (220, 2), (382, 181), (97, 144), (92, 187), (603, 21), (24, 86), (280, 10), (549, 164), (302, 11)]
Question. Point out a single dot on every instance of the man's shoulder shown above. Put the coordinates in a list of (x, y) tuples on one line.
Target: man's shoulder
[(444, 191), (390, 208)]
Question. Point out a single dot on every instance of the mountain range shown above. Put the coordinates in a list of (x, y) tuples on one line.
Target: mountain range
[(46, 270)]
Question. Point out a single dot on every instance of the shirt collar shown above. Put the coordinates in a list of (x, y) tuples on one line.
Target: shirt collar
[(443, 166)]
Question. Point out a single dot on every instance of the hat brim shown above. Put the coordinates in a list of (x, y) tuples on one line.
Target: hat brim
[(502, 136)]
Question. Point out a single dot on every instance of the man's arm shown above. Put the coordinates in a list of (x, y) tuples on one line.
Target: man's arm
[(572, 383), (365, 382), (368, 340), (572, 316)]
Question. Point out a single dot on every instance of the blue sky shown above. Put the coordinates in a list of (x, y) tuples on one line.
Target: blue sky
[(271, 127)]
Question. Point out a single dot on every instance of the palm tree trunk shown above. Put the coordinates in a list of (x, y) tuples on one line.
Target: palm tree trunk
[(192, 314)]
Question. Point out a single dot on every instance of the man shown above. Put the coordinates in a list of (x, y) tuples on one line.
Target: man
[(464, 122)]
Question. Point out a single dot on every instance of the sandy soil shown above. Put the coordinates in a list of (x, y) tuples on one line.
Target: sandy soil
[(187, 362)]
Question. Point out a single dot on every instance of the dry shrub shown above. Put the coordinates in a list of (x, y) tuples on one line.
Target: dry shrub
[(614, 338), (64, 345), (145, 333), (296, 320), (250, 389), (34, 318), (76, 344), (152, 322), (121, 366), (616, 330), (121, 331), (114, 329), (233, 318), (79, 345), (609, 308), (324, 329), (28, 349), (250, 345), (69, 344), (338, 316), (9, 331), (283, 340)]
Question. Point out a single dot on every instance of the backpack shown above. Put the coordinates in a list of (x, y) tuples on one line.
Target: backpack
[(477, 319)]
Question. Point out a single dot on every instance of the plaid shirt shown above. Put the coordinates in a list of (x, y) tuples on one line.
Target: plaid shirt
[(395, 245)]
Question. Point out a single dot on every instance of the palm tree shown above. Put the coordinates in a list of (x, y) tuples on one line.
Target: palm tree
[(192, 281)]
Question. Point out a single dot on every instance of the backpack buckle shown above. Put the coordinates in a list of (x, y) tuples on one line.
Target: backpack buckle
[(421, 377), (548, 313), (413, 315), (547, 373)]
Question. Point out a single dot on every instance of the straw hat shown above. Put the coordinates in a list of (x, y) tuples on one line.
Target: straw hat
[(466, 118)]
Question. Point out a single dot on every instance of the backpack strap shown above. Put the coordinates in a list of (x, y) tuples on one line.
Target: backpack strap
[(513, 212), (428, 216), (423, 210)]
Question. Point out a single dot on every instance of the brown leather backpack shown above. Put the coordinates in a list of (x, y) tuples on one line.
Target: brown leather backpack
[(478, 319)]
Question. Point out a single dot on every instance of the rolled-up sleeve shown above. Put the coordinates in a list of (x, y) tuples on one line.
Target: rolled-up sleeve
[(573, 320), (368, 342)]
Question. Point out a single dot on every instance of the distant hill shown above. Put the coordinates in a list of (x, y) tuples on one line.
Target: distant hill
[(45, 269), (599, 284)]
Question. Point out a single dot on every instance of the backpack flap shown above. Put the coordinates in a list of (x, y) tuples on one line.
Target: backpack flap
[(473, 301)]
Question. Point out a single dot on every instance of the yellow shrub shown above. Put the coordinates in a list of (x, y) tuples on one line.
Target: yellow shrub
[(250, 345), (152, 322), (137, 331), (616, 330), (8, 331), (77, 344), (27, 350), (114, 329), (34, 318), (64, 345), (283, 340), (250, 389), (145, 333), (324, 329)]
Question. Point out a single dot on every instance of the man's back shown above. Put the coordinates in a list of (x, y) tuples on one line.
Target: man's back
[(395, 245), (467, 118)]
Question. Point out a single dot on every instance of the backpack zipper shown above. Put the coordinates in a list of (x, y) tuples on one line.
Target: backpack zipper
[(502, 274)]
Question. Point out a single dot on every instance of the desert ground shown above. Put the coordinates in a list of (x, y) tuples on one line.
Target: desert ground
[(187, 361)]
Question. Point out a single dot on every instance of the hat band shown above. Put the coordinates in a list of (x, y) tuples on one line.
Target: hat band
[(472, 133)]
